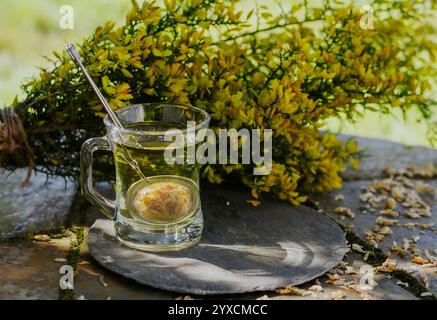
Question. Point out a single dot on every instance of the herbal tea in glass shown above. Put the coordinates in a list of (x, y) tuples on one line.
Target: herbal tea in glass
[(157, 204)]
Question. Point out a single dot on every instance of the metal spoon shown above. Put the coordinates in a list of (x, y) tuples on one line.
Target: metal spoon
[(74, 55)]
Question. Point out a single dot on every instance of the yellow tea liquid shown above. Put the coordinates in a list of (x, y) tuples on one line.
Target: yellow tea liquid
[(161, 201)]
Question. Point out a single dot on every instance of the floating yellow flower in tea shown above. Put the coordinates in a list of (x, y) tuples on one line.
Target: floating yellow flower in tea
[(163, 202)]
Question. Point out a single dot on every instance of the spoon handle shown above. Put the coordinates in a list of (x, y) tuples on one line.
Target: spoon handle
[(74, 55)]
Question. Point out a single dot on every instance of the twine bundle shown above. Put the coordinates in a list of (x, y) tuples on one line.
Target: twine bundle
[(14, 142)]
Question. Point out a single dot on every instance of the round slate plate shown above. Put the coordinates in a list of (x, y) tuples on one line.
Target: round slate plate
[(243, 248)]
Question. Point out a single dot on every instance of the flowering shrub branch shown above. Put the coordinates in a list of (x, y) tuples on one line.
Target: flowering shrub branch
[(291, 72)]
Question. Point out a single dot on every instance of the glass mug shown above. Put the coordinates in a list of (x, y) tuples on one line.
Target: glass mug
[(157, 205)]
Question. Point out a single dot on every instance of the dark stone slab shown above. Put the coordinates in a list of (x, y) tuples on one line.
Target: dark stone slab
[(426, 239), (95, 282), (380, 154), (243, 249)]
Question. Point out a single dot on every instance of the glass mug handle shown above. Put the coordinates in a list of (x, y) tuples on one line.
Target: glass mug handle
[(86, 175)]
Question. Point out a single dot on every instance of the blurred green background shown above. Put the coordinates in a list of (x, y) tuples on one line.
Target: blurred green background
[(30, 29)]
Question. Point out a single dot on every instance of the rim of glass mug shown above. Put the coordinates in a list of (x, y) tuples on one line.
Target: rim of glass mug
[(108, 123)]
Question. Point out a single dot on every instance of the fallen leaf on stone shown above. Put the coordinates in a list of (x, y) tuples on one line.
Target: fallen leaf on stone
[(102, 281), (366, 256), (424, 212), (293, 291), (426, 294), (337, 295), (335, 280), (390, 203), (425, 171), (386, 231), (429, 256), (406, 244), (410, 225), (424, 187), (424, 277), (339, 197), (402, 284), (365, 197), (379, 237), (41, 237), (316, 288), (367, 232), (366, 296), (399, 193), (184, 298), (345, 212), (419, 260), (254, 203), (90, 270), (405, 181), (383, 186), (350, 271), (386, 222), (339, 271), (390, 171), (399, 251), (357, 248), (390, 213), (388, 265), (430, 265), (425, 225), (412, 214)]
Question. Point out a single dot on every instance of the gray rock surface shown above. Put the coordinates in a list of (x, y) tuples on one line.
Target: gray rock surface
[(243, 249), (379, 154), (364, 221), (43, 204), (28, 270), (348, 286)]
